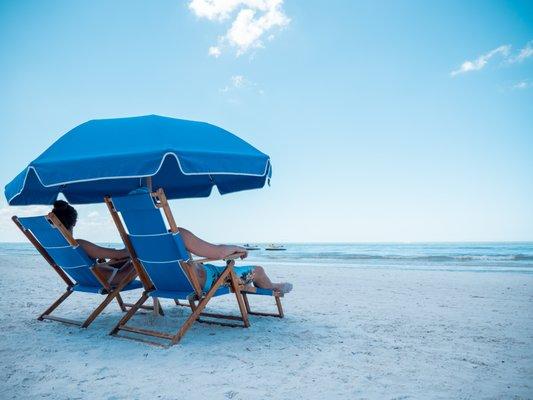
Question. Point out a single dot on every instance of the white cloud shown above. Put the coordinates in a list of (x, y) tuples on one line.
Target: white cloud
[(524, 53), (94, 219), (96, 226), (214, 9), (214, 51), (525, 84), (481, 61), (502, 51), (24, 211), (93, 214), (238, 88), (252, 19), (238, 82), (8, 231)]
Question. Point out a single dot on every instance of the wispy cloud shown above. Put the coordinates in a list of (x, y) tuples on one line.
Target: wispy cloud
[(238, 82), (524, 53), (524, 84), (503, 52), (481, 61), (8, 230), (250, 20), (238, 87), (214, 51), (92, 224), (7, 212)]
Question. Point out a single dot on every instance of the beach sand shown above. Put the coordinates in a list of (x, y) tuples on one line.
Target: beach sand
[(348, 333)]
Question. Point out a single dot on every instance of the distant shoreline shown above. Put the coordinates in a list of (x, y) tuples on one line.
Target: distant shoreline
[(527, 242)]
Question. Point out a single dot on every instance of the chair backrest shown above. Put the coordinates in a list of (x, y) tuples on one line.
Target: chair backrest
[(160, 251), (65, 253)]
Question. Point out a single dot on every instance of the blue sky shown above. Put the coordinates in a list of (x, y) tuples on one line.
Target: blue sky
[(385, 121)]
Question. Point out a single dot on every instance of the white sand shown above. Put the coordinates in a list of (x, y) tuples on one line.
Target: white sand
[(348, 333)]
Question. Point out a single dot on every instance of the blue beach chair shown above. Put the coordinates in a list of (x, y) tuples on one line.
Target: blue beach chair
[(165, 266), (56, 244)]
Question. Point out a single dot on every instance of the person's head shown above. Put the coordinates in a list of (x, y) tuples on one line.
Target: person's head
[(65, 213)]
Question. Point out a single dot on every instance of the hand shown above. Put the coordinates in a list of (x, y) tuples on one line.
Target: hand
[(241, 251), (229, 251)]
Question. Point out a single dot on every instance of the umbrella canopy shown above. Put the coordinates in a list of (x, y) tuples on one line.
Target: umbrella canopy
[(112, 156)]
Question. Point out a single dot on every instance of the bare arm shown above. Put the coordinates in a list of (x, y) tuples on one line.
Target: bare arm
[(95, 251), (205, 249)]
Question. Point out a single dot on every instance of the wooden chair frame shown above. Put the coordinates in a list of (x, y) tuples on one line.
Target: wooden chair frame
[(112, 292), (197, 302)]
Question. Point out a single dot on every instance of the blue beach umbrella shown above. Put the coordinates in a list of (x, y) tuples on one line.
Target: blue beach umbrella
[(114, 156)]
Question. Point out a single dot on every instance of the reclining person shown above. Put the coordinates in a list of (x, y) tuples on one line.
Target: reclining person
[(115, 272), (207, 273)]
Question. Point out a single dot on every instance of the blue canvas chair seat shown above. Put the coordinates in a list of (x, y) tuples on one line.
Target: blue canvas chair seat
[(74, 266), (164, 264), (135, 284), (173, 295)]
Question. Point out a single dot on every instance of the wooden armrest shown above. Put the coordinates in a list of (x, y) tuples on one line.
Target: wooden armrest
[(233, 256), (100, 277), (104, 265), (118, 261), (202, 260), (248, 288)]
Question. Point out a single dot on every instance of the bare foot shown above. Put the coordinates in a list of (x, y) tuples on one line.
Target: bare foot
[(284, 287)]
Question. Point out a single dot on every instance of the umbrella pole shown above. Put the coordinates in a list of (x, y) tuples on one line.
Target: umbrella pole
[(147, 182)]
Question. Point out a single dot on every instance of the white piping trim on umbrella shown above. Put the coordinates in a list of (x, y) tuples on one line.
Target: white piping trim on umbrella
[(135, 176)]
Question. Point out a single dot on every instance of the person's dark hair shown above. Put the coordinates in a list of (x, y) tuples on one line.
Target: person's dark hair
[(65, 213)]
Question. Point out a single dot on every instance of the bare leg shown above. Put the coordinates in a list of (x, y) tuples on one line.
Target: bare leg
[(261, 280)]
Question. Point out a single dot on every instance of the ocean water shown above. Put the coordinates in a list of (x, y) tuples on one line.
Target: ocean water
[(480, 257)]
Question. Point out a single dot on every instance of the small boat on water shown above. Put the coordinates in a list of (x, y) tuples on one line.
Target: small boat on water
[(275, 247), (248, 246)]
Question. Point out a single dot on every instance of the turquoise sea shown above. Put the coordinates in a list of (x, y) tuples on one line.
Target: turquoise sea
[(481, 257)]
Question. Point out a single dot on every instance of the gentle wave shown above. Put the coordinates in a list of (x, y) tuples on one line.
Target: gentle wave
[(428, 258), (424, 255)]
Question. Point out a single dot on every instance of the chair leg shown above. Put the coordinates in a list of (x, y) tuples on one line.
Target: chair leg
[(246, 303), (187, 324), (55, 304), (264, 314), (240, 301), (182, 304), (121, 303), (155, 308), (158, 308), (197, 310), (99, 309), (130, 313), (107, 300), (280, 308)]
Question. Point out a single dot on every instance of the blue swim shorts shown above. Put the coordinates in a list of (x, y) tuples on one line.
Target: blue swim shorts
[(213, 272)]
